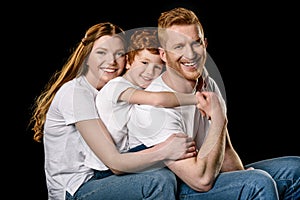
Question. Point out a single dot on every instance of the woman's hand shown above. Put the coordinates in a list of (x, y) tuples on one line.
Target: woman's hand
[(177, 146)]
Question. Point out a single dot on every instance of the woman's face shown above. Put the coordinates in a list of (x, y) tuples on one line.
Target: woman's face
[(106, 60)]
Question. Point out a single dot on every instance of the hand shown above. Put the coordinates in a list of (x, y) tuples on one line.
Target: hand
[(209, 104), (178, 146)]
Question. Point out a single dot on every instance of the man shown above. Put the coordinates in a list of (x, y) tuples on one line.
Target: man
[(216, 172)]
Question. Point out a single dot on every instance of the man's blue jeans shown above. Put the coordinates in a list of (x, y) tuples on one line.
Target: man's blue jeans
[(272, 179)]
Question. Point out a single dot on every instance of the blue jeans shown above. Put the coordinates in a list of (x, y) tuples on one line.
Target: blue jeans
[(277, 178), (149, 185)]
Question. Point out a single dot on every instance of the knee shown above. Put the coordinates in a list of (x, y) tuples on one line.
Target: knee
[(160, 181), (293, 163), (165, 176), (260, 178)]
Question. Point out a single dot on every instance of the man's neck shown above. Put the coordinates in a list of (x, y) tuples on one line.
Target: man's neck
[(179, 83)]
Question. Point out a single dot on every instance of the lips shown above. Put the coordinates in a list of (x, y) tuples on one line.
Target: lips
[(189, 65), (109, 70), (147, 78)]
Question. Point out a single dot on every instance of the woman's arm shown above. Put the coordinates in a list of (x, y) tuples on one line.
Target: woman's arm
[(97, 137), (159, 99)]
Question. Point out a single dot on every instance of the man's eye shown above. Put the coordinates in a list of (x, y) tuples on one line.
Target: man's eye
[(178, 47)]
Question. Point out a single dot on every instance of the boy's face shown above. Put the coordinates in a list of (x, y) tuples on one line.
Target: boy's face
[(144, 68)]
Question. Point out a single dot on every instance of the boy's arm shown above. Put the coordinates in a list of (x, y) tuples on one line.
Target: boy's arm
[(158, 99)]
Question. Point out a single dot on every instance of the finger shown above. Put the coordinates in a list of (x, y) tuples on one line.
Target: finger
[(191, 145), (201, 98), (187, 155), (191, 149), (202, 113)]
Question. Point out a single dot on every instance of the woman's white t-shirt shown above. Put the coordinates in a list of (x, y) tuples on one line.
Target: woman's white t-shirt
[(65, 150)]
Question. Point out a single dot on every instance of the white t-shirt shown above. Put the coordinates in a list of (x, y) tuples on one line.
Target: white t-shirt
[(150, 125), (115, 114), (65, 149)]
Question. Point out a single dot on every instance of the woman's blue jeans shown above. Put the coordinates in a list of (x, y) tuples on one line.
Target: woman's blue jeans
[(271, 179), (150, 185)]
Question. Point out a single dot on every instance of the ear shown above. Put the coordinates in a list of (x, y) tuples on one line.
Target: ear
[(127, 66), (162, 54), (205, 42)]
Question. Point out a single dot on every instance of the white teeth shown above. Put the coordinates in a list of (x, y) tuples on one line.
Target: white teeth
[(189, 64), (109, 70), (146, 78)]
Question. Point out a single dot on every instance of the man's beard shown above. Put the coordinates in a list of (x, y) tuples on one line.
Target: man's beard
[(176, 67)]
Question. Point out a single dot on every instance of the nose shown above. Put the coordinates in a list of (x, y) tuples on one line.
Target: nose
[(189, 52), (149, 69), (111, 59)]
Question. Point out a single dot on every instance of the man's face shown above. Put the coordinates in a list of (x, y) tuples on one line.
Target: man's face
[(185, 51)]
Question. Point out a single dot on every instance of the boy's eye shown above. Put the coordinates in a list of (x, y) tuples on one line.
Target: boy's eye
[(158, 67), (144, 62)]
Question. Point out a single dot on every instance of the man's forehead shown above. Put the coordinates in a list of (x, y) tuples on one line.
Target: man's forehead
[(184, 31)]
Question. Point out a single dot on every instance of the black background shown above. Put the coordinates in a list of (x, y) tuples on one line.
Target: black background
[(255, 47)]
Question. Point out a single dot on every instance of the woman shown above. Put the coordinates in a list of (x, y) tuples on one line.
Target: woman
[(66, 119)]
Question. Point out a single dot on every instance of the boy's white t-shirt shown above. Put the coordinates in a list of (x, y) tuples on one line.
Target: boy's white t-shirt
[(151, 125), (115, 114)]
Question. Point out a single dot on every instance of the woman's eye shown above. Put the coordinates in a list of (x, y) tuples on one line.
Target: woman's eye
[(120, 54), (144, 62), (101, 52)]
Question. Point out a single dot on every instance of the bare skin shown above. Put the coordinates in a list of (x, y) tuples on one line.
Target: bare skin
[(185, 53)]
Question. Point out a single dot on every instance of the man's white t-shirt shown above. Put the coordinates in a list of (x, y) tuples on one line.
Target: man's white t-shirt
[(150, 125)]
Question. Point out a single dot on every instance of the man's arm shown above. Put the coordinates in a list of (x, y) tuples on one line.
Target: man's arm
[(200, 172), (232, 160)]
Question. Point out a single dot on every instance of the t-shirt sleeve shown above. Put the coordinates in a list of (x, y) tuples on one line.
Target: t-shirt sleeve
[(212, 85), (78, 105), (114, 88)]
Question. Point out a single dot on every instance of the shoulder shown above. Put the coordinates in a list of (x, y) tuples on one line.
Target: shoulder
[(157, 85)]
